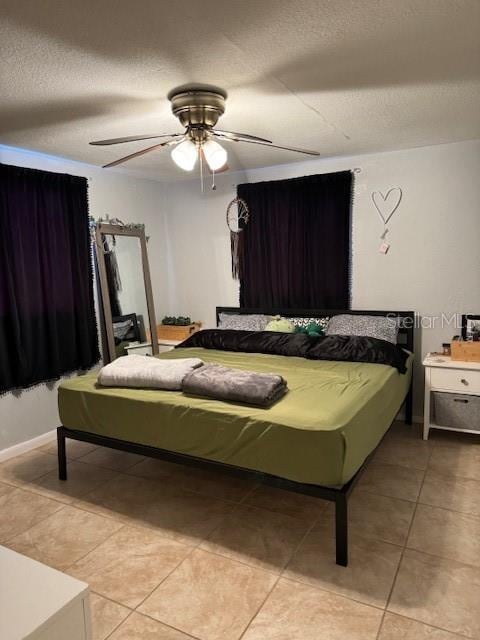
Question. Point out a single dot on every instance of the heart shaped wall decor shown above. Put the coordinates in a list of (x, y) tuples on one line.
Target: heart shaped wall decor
[(387, 204)]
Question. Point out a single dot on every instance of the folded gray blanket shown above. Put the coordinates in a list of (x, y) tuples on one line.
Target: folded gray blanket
[(234, 385)]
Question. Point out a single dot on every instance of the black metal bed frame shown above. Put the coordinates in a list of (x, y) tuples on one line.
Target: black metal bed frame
[(337, 495)]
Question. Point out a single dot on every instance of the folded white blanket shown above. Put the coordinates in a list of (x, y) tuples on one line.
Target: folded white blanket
[(147, 372)]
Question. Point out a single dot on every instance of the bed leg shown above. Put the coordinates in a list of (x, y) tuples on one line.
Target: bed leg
[(62, 455), (409, 406), (341, 529)]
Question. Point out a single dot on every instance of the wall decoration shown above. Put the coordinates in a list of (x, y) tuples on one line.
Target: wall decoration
[(237, 217), (386, 205), (471, 327)]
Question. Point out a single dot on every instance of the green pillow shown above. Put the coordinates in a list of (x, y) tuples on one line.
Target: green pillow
[(313, 329), (280, 324)]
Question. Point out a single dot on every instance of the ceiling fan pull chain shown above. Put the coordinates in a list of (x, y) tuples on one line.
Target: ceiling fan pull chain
[(214, 186), (200, 155)]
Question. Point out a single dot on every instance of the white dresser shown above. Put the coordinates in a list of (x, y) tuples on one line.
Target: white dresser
[(40, 603), (451, 381), (145, 348)]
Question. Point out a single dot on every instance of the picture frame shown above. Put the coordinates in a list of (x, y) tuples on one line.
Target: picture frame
[(470, 326)]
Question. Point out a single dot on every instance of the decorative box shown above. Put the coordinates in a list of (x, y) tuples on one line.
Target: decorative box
[(177, 332), (465, 350)]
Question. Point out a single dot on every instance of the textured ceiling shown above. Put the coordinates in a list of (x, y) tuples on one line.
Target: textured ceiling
[(340, 76)]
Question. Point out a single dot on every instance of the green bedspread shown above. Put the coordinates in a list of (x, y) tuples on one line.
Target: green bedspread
[(333, 416)]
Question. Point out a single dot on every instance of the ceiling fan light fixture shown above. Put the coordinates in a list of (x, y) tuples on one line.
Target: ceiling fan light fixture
[(215, 155), (185, 155)]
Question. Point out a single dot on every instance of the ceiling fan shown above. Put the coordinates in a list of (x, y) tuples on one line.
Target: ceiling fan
[(198, 107)]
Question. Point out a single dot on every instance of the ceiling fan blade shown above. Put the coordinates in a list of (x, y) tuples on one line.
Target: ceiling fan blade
[(140, 153), (276, 146), (237, 136), (134, 139)]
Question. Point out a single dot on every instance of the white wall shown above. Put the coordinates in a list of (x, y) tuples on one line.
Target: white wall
[(433, 266), (199, 248), (32, 412)]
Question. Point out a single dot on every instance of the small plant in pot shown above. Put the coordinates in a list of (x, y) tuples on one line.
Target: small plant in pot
[(177, 327), (178, 321)]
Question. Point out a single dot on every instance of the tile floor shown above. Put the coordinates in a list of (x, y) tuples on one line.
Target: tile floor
[(173, 554)]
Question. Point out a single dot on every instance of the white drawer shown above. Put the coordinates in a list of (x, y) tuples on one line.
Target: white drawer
[(457, 380)]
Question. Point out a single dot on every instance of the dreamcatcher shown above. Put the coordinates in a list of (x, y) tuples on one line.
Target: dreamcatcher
[(237, 216)]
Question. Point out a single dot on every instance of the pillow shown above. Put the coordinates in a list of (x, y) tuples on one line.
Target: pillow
[(280, 324), (313, 329), (243, 322), (358, 349), (304, 322), (281, 344), (121, 329), (379, 327)]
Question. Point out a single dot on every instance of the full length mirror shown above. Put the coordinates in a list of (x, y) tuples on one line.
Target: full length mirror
[(126, 291)]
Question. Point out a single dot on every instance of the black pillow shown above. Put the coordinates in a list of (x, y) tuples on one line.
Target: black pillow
[(358, 349), (268, 342)]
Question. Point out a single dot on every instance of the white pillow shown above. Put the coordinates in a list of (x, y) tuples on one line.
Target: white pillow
[(379, 327)]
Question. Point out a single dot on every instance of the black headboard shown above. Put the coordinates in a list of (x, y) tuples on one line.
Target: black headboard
[(406, 324)]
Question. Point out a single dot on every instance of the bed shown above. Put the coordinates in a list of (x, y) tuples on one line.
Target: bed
[(316, 440)]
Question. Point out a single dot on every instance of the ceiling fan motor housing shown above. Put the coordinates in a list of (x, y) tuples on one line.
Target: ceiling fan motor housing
[(198, 107)]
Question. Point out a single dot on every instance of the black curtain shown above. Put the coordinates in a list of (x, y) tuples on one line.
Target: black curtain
[(47, 315), (296, 245)]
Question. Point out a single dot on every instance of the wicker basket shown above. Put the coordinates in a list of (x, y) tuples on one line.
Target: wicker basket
[(177, 332), (465, 350)]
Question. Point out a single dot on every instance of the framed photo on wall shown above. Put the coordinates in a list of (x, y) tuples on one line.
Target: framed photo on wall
[(470, 327)]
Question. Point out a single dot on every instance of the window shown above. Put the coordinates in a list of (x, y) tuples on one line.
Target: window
[(47, 315), (296, 245)]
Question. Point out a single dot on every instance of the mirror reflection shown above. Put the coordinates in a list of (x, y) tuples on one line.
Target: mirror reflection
[(126, 288)]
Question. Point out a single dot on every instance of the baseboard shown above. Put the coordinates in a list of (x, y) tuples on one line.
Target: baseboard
[(28, 445)]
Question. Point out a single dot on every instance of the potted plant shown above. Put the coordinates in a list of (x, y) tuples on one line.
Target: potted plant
[(177, 328)]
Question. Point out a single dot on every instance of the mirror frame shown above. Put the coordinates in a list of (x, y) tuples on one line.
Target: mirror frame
[(103, 229)]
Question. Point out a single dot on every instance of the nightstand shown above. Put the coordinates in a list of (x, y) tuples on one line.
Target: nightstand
[(452, 395)]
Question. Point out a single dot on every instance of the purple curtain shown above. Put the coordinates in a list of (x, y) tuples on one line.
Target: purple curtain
[(47, 315), (296, 245)]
